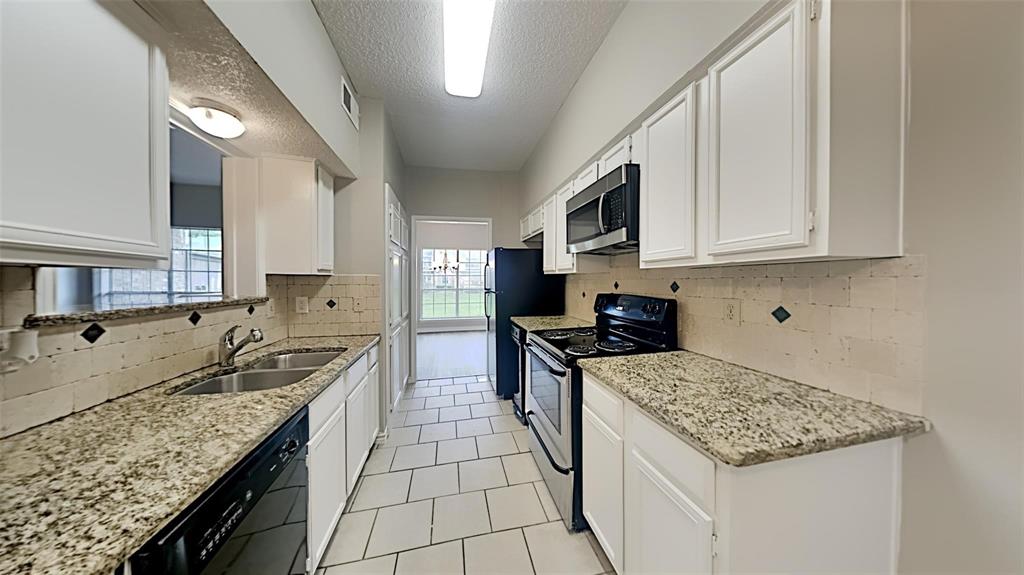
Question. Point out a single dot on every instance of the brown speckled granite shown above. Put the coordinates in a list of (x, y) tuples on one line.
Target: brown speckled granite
[(741, 416), (34, 321), (82, 493), (539, 322)]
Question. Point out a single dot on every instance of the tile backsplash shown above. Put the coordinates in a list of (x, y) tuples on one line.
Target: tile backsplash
[(73, 374), (334, 305), (855, 327)]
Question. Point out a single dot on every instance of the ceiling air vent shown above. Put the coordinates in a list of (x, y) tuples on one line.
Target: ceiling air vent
[(349, 103)]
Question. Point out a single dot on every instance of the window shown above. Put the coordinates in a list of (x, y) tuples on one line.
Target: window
[(195, 275), (452, 283)]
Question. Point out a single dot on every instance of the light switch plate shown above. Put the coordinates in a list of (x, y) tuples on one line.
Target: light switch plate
[(302, 304)]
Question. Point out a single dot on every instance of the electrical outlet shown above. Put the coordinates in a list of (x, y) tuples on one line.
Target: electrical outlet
[(302, 304), (732, 313), (270, 308)]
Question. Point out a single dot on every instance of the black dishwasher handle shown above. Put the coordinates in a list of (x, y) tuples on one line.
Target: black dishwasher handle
[(536, 433)]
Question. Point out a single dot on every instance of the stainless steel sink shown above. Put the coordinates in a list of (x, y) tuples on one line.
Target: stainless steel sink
[(250, 380), (297, 360)]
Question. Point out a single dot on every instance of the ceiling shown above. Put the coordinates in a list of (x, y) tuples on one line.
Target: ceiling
[(393, 50)]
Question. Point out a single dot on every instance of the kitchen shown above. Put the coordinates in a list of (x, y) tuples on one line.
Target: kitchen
[(758, 337)]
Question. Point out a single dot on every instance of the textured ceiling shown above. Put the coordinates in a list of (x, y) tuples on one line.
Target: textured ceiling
[(205, 61), (393, 49)]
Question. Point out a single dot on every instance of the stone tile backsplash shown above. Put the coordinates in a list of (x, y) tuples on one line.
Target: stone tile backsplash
[(856, 327), (73, 374)]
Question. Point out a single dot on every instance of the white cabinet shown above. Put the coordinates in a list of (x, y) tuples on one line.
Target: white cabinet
[(84, 175), (325, 462), (532, 224), (666, 531), (359, 439), (758, 139), (602, 484), (373, 423), (565, 262), (396, 363), (298, 216), (618, 154), (588, 176), (524, 227), (325, 220), (550, 235), (665, 149), (395, 289)]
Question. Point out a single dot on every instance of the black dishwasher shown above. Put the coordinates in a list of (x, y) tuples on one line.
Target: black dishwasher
[(252, 520)]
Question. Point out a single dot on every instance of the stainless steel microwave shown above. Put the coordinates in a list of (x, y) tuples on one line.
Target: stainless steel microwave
[(605, 217)]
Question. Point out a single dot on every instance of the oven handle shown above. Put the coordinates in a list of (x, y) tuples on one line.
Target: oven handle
[(545, 358), (536, 433)]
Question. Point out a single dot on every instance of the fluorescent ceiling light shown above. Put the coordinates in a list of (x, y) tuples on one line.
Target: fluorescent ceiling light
[(467, 32), (215, 119)]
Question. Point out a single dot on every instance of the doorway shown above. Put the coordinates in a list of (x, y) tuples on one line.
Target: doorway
[(450, 256)]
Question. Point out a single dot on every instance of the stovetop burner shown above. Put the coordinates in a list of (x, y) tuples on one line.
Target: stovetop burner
[(585, 331), (557, 334), (616, 346), (580, 350)]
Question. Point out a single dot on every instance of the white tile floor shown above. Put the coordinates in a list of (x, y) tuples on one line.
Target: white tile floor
[(456, 491)]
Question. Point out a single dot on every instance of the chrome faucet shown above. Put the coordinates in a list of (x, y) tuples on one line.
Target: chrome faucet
[(228, 349)]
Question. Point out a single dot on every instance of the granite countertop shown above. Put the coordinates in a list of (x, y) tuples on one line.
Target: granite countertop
[(741, 416), (34, 321), (81, 494), (539, 322)]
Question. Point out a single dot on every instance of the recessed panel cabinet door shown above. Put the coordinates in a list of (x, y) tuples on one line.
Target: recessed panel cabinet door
[(614, 157), (668, 182), (325, 221), (665, 531), (325, 463), (550, 235), (84, 174), (602, 485), (758, 139), (564, 261), (358, 431)]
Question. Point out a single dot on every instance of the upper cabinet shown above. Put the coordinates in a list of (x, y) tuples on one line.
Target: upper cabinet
[(588, 176), (564, 261), (297, 206), (617, 155), (665, 149), (532, 224), (84, 171), (550, 257), (758, 136)]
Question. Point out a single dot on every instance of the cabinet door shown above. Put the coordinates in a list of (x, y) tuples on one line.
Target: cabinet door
[(373, 403), (325, 221), (668, 182), (602, 485), (84, 170), (288, 202), (395, 371), (358, 432), (615, 157), (524, 227), (395, 286), (405, 285), (325, 462), (564, 261), (758, 128), (537, 220), (588, 176), (665, 531), (550, 235)]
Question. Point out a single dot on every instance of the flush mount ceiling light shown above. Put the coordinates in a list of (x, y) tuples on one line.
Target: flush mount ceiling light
[(215, 119), (467, 32)]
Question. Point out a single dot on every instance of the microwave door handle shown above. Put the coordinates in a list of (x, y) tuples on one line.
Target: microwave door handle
[(600, 214)]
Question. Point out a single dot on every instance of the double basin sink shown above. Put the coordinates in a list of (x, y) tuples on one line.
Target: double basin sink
[(268, 373)]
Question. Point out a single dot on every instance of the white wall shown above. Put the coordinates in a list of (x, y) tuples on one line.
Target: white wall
[(650, 47), (469, 194), (962, 485), (288, 40)]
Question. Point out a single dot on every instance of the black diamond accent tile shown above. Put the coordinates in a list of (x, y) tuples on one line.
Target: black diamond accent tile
[(93, 333), (331, 303), (674, 287), (251, 310), (616, 285), (781, 314), (584, 295), (194, 318)]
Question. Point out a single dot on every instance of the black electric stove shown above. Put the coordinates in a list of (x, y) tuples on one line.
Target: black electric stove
[(626, 325)]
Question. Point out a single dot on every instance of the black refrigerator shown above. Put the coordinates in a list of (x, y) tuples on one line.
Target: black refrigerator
[(515, 285)]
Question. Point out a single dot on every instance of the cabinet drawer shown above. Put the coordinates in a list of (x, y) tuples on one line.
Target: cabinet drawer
[(603, 403), (325, 404), (371, 357), (355, 373), (685, 466)]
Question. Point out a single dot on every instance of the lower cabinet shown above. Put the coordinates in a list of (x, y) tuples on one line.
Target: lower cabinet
[(325, 463), (359, 439), (602, 485)]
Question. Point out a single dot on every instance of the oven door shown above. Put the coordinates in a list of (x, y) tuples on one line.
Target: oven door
[(548, 414)]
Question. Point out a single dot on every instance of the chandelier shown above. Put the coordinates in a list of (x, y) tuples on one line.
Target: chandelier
[(445, 266)]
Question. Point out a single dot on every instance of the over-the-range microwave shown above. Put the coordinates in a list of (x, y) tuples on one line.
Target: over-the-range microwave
[(605, 217)]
